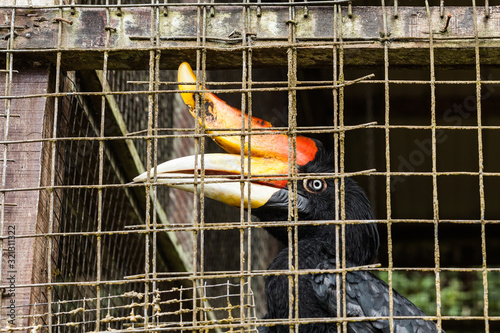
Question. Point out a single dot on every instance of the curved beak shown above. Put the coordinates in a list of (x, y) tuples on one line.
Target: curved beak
[(222, 178)]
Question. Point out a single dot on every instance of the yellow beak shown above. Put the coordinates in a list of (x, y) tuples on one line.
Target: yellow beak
[(222, 177)]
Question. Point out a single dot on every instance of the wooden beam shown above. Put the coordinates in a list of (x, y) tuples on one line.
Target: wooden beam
[(131, 35), (171, 251)]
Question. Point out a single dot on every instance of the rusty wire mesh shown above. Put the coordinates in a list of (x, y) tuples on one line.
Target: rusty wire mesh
[(121, 256)]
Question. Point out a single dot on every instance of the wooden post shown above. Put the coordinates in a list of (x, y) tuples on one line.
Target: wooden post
[(24, 257)]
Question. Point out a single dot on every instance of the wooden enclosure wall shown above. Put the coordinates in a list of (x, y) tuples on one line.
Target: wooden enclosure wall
[(24, 257)]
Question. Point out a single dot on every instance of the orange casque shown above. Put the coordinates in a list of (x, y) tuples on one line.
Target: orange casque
[(219, 115)]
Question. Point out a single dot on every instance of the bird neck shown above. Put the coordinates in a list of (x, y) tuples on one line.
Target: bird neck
[(361, 240), (361, 243)]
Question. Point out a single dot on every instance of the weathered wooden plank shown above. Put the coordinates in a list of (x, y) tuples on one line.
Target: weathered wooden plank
[(24, 169), (181, 32)]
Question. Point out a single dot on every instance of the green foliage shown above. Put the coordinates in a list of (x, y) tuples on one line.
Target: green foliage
[(462, 293)]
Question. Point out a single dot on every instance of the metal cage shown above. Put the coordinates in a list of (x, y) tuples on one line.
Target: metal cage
[(404, 94)]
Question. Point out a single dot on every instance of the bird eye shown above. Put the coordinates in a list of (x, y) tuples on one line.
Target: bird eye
[(314, 185)]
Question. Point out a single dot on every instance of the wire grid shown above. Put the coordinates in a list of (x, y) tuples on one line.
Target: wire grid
[(106, 289), (171, 309), (76, 260)]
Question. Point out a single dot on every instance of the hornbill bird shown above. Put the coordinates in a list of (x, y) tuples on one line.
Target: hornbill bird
[(268, 155)]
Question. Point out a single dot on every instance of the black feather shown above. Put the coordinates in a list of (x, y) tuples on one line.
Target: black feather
[(367, 296), (277, 294)]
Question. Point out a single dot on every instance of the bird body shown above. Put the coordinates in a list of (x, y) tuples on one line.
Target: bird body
[(277, 287), (367, 296)]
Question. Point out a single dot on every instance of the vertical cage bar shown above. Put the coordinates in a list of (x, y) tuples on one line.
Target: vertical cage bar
[(9, 60), (341, 141), (151, 197), (156, 103), (390, 262), (50, 239), (244, 180), (201, 142), (482, 204), (336, 23), (152, 147), (198, 104), (293, 258), (435, 200), (100, 196), (201, 217), (149, 188), (248, 54), (8, 92)]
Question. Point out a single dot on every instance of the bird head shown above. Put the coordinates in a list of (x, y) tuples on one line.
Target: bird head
[(264, 157)]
